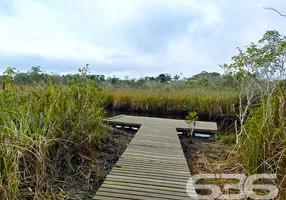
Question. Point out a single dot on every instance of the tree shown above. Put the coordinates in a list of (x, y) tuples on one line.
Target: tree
[(176, 77), (260, 71), (22, 78), (10, 71), (168, 77), (161, 78), (149, 78), (35, 75), (205, 79), (113, 80), (101, 77), (164, 78), (35, 70)]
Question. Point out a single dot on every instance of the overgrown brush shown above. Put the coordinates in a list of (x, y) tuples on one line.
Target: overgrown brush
[(260, 131), (36, 125), (262, 146)]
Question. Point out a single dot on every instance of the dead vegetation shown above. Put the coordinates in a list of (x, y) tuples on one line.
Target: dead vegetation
[(210, 157), (76, 171)]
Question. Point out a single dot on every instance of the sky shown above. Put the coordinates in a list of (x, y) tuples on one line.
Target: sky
[(133, 38)]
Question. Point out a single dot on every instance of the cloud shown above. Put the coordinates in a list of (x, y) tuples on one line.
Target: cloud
[(131, 37)]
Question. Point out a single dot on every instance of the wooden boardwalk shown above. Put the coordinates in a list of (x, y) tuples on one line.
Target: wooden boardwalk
[(153, 166)]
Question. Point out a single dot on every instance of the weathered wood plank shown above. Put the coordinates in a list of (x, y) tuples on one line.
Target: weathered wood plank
[(146, 186), (147, 193), (152, 190), (174, 169), (148, 172), (133, 196), (153, 166)]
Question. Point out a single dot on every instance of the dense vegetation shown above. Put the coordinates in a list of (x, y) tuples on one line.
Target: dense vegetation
[(209, 94), (49, 137), (43, 115), (261, 119), (36, 76), (206, 103)]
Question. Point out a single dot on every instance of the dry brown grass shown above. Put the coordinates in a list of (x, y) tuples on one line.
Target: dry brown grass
[(216, 157)]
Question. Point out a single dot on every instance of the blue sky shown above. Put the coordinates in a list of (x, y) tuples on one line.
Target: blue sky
[(131, 38)]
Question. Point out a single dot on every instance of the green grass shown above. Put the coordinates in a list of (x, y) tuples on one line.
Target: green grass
[(204, 102), (229, 139), (42, 131), (263, 144), (49, 131)]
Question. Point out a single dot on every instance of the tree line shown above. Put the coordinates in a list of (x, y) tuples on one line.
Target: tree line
[(37, 76)]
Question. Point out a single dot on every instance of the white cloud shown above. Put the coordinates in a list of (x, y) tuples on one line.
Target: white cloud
[(38, 32), (153, 36)]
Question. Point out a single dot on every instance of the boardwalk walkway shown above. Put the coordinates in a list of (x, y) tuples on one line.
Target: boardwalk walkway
[(153, 166)]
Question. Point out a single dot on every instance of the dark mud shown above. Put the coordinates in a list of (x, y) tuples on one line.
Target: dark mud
[(191, 146), (79, 170)]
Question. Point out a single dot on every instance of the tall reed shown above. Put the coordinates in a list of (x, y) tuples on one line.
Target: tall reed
[(205, 102), (263, 143), (35, 121)]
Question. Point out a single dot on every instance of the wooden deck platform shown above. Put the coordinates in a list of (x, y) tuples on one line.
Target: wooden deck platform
[(153, 166)]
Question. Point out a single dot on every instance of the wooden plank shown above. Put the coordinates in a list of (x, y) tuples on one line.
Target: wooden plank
[(162, 161), (181, 124), (153, 166), (159, 166), (145, 196), (148, 193), (145, 186), (115, 117), (140, 189), (169, 185), (175, 170), (149, 175), (178, 182)]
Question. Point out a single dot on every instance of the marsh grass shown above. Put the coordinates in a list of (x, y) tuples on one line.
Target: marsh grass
[(206, 103), (46, 131), (263, 146), (51, 136)]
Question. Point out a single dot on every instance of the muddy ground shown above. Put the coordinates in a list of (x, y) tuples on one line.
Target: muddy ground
[(77, 171), (202, 155), (206, 156)]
